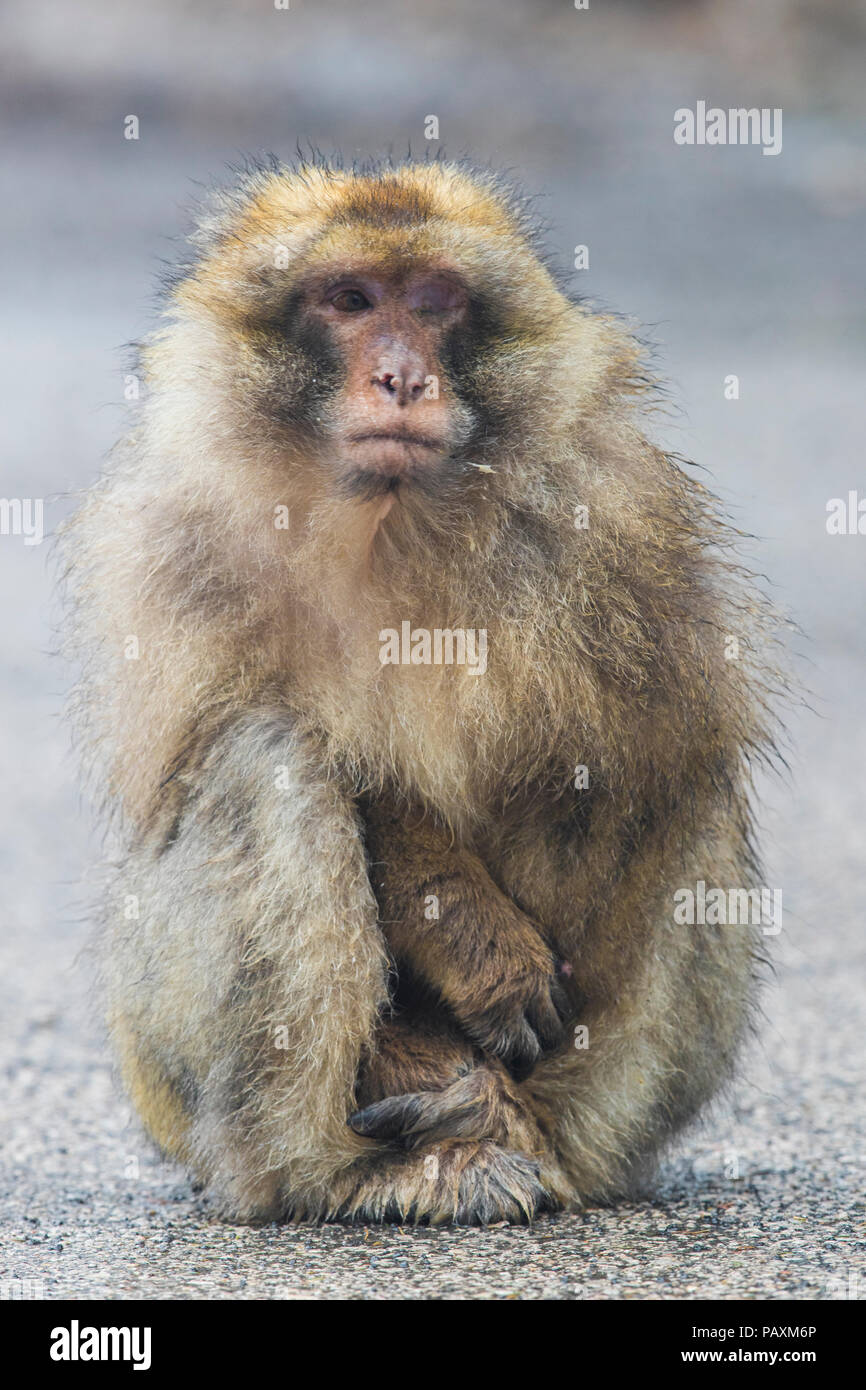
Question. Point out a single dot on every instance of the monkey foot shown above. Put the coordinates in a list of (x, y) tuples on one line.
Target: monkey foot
[(465, 1183), (482, 1104)]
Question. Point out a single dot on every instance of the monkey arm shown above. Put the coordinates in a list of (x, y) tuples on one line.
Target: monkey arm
[(445, 919)]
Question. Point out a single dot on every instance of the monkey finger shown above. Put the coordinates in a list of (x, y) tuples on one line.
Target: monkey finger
[(514, 1042), (546, 1020)]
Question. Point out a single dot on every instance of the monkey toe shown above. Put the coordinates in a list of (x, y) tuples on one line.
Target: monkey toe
[(464, 1110), (390, 1119)]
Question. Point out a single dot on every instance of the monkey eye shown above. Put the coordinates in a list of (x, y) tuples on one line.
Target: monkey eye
[(435, 295), (350, 301)]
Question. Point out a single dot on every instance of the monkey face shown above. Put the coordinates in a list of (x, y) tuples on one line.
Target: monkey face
[(393, 414)]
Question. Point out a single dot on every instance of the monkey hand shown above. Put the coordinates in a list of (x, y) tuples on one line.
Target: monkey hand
[(484, 957), (517, 1010)]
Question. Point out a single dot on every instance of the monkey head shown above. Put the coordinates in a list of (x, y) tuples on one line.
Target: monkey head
[(395, 326)]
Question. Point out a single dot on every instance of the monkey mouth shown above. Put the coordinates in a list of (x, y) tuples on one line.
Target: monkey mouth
[(379, 462), (390, 457), (422, 441)]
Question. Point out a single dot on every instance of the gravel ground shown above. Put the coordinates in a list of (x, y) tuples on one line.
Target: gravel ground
[(740, 264)]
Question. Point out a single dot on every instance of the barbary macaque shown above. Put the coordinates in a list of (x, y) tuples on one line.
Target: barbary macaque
[(394, 938)]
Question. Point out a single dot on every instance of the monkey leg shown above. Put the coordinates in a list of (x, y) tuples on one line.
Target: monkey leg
[(244, 991), (444, 917), (663, 1023)]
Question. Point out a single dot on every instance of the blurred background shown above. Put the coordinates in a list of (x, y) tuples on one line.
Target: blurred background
[(727, 260)]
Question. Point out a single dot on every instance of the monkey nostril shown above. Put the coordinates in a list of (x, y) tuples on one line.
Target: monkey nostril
[(389, 380)]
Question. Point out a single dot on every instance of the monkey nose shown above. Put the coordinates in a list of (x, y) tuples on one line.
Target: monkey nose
[(402, 386)]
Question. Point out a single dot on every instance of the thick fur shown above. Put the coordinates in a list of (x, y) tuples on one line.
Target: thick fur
[(253, 746)]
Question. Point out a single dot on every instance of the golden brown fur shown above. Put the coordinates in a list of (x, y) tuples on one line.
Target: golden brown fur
[(287, 803)]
